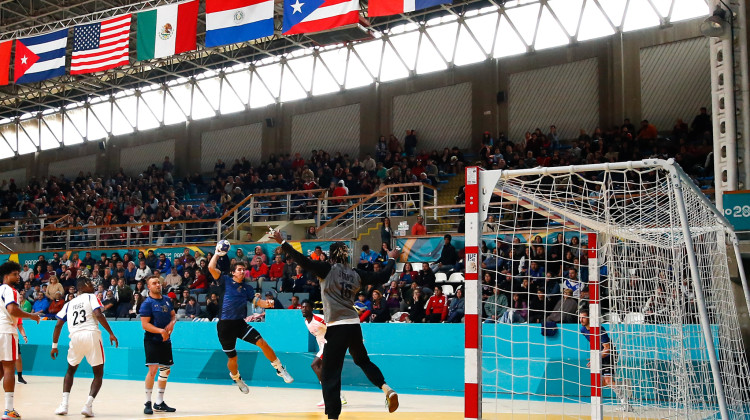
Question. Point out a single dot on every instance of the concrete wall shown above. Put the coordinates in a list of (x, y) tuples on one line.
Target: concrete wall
[(618, 60)]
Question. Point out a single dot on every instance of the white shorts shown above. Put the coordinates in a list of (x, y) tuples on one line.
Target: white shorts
[(319, 354), (86, 344), (8, 347)]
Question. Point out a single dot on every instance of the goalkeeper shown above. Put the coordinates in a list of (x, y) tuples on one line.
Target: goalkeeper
[(609, 358), (232, 325), (339, 286)]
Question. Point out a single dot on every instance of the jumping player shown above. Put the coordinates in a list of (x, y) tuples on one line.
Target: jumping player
[(9, 314), (232, 325), (317, 327), (340, 284), (609, 358), (157, 319), (85, 341)]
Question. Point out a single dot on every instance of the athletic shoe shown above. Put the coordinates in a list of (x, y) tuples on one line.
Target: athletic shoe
[(391, 401), (285, 375), (62, 410), (21, 380), (11, 414), (242, 385), (322, 403), (148, 409), (87, 411), (163, 407)]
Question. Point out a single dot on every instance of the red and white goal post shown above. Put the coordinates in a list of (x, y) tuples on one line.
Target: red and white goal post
[(638, 247)]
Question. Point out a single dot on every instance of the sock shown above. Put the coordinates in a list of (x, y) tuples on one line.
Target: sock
[(8, 401), (159, 396), (148, 394), (277, 364), (386, 389), (90, 401), (20, 374), (235, 377), (66, 398)]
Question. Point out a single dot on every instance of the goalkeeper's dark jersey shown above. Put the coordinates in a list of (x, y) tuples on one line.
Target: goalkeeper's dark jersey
[(339, 285)]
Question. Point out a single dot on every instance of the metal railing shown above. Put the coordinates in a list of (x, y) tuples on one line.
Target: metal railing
[(336, 217), (129, 235), (273, 206), (26, 229), (344, 217)]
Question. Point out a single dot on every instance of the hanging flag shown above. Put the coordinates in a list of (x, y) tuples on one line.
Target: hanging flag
[(40, 57), (233, 21), (318, 15), (396, 7), (5, 62), (101, 46), (167, 30)]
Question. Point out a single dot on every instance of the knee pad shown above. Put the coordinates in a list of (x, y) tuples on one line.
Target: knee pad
[(164, 373)]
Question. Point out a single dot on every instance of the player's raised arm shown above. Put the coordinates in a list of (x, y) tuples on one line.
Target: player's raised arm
[(382, 276), (215, 259), (318, 268)]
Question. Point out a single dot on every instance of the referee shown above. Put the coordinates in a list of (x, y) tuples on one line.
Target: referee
[(339, 285), (158, 319)]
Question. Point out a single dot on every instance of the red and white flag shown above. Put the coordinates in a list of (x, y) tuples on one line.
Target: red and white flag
[(101, 46)]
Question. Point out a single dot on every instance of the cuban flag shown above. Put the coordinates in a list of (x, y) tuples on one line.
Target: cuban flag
[(396, 7), (40, 57), (304, 16), (234, 21)]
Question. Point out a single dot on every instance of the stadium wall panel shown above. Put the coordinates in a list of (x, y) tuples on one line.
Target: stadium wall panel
[(71, 167), (135, 160), (675, 82), (333, 130), (18, 175), (565, 95), (441, 117), (231, 143)]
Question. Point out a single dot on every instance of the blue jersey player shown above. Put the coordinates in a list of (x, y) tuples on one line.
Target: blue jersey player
[(609, 359), (157, 319), (232, 325)]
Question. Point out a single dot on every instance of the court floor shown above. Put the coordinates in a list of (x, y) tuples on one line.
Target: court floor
[(120, 399)]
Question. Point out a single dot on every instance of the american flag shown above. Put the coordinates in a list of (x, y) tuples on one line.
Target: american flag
[(101, 46)]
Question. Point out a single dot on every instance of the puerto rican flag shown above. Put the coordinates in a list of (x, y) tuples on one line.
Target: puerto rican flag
[(304, 16), (397, 7)]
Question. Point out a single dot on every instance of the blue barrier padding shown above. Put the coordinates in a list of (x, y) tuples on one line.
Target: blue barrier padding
[(425, 358)]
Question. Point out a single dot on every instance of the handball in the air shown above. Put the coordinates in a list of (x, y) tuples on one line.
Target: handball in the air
[(223, 245)]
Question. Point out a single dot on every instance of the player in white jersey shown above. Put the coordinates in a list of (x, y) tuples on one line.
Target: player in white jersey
[(317, 327), (82, 314), (9, 314)]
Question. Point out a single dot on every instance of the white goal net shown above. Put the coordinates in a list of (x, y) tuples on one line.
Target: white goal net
[(600, 291)]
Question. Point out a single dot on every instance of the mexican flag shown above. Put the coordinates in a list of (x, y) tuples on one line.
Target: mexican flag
[(167, 30)]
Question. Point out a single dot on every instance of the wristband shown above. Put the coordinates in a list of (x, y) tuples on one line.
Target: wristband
[(54, 346)]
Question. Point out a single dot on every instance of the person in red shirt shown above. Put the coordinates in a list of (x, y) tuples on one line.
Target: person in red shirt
[(276, 272), (295, 303), (258, 272), (419, 228), (437, 307)]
